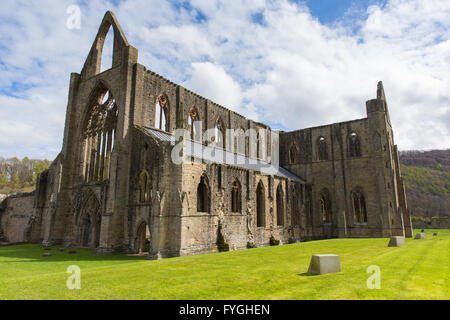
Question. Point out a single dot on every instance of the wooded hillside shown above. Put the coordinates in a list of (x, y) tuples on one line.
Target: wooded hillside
[(427, 179), (20, 175)]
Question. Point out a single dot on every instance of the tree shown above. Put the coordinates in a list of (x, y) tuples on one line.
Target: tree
[(3, 179)]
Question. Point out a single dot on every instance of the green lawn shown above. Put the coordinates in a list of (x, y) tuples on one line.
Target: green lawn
[(420, 270)]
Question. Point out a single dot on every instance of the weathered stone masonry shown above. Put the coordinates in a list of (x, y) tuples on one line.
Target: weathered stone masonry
[(114, 177)]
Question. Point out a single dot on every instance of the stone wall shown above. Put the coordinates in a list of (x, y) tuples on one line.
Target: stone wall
[(432, 223), (15, 214)]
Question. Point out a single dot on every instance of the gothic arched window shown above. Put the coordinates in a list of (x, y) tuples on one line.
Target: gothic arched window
[(322, 148), (98, 136), (144, 187), (203, 198), (258, 145), (295, 212), (236, 196), (239, 141), (359, 206), (192, 118), (219, 134), (354, 145), (325, 205), (162, 112), (280, 206), (260, 205), (293, 154)]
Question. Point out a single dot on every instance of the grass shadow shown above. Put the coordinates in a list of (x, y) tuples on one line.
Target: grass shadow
[(34, 253), (306, 274)]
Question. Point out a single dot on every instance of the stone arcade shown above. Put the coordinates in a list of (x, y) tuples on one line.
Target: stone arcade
[(114, 187)]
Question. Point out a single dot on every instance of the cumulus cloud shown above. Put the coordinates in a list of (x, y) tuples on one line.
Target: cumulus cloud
[(270, 61), (213, 82)]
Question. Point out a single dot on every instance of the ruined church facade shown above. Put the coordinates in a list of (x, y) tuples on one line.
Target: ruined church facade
[(115, 187)]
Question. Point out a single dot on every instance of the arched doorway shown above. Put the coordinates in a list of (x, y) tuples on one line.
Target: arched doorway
[(203, 195), (142, 242), (89, 223)]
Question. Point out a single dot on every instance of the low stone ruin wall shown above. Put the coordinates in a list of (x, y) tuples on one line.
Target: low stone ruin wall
[(432, 223), (15, 213)]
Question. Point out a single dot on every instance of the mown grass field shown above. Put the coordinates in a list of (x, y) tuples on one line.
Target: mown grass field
[(420, 270)]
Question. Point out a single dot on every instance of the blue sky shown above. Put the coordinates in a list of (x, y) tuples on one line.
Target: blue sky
[(328, 11), (291, 64)]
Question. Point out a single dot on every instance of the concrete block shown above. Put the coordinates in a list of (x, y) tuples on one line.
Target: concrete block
[(397, 241), (419, 236), (324, 263)]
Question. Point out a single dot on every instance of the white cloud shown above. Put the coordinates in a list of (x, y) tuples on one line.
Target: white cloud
[(289, 69), (214, 83)]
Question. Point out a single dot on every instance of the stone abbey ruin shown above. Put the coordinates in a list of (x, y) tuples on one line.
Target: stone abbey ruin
[(114, 186)]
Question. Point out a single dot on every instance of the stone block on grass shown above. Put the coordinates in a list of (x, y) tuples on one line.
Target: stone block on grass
[(397, 241), (324, 263), (419, 236)]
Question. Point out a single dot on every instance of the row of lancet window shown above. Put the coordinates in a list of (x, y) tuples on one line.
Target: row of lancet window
[(358, 204), (354, 149), (261, 205), (239, 140), (204, 201), (98, 137)]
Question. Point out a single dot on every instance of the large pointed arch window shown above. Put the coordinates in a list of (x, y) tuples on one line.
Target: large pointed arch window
[(161, 113), (98, 135)]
